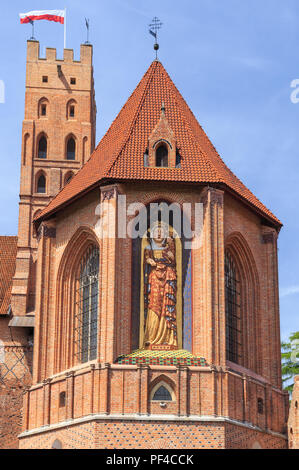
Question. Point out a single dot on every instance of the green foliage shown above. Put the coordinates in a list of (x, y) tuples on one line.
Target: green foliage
[(290, 367)]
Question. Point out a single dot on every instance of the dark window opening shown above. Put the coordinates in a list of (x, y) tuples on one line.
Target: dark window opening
[(44, 110), (41, 185), (162, 394), (162, 156), (42, 147), (71, 149), (260, 406), (73, 81), (62, 399), (45, 79), (87, 307), (232, 311), (72, 111)]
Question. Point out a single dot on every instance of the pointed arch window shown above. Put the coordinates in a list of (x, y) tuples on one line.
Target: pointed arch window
[(232, 310), (162, 394), (87, 305), (71, 149), (162, 156), (41, 184), (42, 147)]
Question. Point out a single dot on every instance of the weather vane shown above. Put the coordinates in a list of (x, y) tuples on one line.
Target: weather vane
[(154, 28)]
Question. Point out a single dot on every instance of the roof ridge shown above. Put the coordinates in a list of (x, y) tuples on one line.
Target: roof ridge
[(154, 68)]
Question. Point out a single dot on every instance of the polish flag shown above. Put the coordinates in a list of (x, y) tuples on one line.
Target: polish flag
[(50, 15)]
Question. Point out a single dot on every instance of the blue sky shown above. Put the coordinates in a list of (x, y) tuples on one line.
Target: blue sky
[(233, 62)]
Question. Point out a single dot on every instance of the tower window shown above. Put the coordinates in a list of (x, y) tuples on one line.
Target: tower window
[(71, 149), (73, 81), (232, 311), (41, 185), (43, 109), (45, 79), (162, 394), (71, 109), (162, 156), (42, 147), (87, 312)]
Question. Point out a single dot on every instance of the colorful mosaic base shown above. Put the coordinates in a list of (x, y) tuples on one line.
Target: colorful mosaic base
[(162, 358)]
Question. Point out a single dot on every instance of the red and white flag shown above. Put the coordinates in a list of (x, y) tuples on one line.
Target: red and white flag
[(50, 15)]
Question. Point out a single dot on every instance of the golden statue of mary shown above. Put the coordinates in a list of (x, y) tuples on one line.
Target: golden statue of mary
[(160, 290)]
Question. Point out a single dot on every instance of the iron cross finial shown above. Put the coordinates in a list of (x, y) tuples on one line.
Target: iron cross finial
[(154, 26)]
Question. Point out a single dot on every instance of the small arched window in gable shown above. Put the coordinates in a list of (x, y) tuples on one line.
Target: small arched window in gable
[(41, 184), (71, 149), (162, 156), (42, 147)]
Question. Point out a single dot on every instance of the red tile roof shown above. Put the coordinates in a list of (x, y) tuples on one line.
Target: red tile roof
[(119, 155), (8, 253)]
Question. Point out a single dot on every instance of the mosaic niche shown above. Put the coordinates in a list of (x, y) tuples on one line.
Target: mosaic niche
[(161, 289)]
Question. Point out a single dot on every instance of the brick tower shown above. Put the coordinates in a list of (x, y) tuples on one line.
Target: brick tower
[(58, 137), (157, 340)]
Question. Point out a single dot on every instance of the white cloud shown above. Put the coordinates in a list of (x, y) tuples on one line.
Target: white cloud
[(284, 291)]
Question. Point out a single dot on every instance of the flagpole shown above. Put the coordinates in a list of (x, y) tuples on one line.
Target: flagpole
[(65, 28)]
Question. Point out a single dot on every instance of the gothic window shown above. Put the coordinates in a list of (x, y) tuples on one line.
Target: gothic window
[(42, 147), (41, 184), (71, 149), (87, 308), (232, 310), (162, 156), (162, 392)]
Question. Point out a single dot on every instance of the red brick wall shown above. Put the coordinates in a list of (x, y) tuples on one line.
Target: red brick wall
[(15, 377), (117, 434)]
